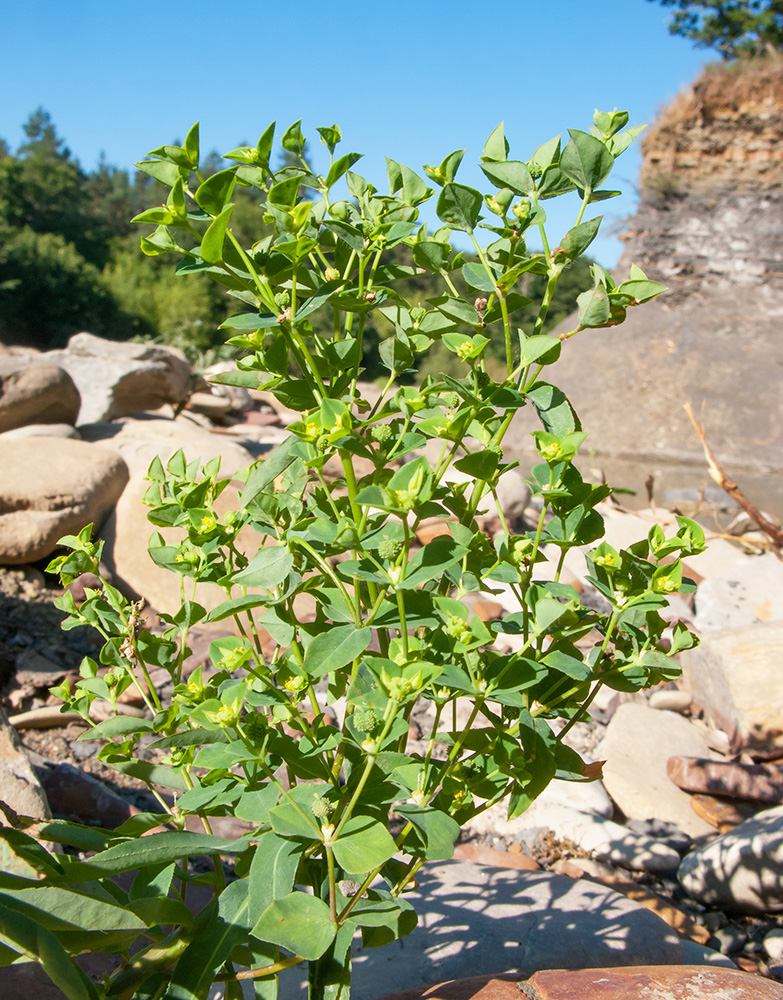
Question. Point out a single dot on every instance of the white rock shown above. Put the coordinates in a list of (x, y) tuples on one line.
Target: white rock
[(41, 430), (749, 592), (773, 945), (32, 392), (638, 742), (742, 870), (670, 700)]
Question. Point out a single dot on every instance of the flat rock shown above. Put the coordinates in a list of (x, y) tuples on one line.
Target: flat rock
[(80, 797), (742, 870), (675, 982), (723, 814), (36, 394), (57, 487), (735, 675), (475, 920), (117, 377), (749, 592), (761, 782), (41, 430), (670, 700), (638, 742)]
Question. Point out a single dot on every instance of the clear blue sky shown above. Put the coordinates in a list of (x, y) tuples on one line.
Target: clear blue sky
[(413, 80)]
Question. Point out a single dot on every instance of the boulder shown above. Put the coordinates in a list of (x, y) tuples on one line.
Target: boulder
[(58, 486), (735, 675), (742, 870), (36, 394), (115, 377), (749, 592), (19, 787), (759, 782), (676, 982), (639, 740), (41, 430)]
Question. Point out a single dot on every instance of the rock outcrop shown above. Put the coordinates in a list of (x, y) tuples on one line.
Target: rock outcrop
[(710, 227)]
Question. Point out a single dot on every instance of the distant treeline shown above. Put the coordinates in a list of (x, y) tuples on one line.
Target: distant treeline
[(70, 259)]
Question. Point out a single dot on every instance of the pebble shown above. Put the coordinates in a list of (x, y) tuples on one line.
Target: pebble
[(773, 945), (728, 939), (670, 700)]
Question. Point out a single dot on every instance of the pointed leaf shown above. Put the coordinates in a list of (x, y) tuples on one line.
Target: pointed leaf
[(334, 648), (215, 193), (214, 237), (460, 207), (299, 923)]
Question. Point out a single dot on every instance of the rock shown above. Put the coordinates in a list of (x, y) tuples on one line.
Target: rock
[(476, 920), (675, 982), (37, 670), (638, 742), (749, 592), (206, 403), (723, 814), (19, 787), (36, 394), (116, 377), (660, 829), (735, 676), (488, 611), (58, 486), (773, 945), (670, 700), (761, 782), (80, 797), (729, 939), (239, 399), (41, 430), (496, 859), (742, 870)]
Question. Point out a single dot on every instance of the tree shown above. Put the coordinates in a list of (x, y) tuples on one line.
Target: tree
[(733, 27)]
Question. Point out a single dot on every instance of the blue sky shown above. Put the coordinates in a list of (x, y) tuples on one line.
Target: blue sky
[(413, 80)]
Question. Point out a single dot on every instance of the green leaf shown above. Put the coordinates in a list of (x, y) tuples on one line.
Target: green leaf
[(215, 193), (578, 239), (166, 173), (431, 255), (156, 849), (293, 140), (28, 937), (272, 871), (586, 160), (460, 207), (299, 923), (512, 174), (364, 843), (477, 277), (268, 568), (496, 146), (191, 146), (58, 909), (264, 473), (334, 648), (431, 561), (227, 926), (594, 307), (155, 774), (120, 725), (214, 237), (438, 831), (479, 464), (341, 166), (540, 349), (555, 411)]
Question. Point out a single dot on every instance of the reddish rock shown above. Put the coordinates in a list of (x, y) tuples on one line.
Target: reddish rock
[(260, 419), (760, 782), (723, 814), (73, 793), (667, 982), (500, 859), (488, 611), (427, 532), (497, 987)]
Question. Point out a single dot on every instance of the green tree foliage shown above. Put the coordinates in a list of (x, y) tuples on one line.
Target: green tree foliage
[(733, 27)]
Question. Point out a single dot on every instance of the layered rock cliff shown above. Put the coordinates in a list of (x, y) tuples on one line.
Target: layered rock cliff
[(709, 226)]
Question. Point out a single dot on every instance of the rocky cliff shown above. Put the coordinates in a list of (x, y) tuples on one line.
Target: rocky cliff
[(710, 226)]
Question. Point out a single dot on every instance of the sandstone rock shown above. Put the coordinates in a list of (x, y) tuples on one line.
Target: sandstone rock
[(761, 782), (36, 394), (79, 796), (638, 742), (670, 700), (496, 859), (19, 787), (735, 676), (58, 486), (476, 920), (675, 982), (115, 377), (749, 592), (742, 870), (723, 814), (41, 430), (209, 404)]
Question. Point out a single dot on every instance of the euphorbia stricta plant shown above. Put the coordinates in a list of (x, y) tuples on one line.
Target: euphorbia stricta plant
[(301, 728)]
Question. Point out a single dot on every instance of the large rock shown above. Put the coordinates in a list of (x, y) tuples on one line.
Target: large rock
[(19, 787), (56, 487), (749, 592), (685, 982), (115, 377), (741, 870), (735, 676), (36, 394), (638, 742)]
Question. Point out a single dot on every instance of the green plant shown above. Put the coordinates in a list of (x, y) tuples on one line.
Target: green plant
[(310, 743)]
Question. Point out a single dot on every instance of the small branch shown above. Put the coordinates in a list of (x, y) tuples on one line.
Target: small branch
[(732, 489)]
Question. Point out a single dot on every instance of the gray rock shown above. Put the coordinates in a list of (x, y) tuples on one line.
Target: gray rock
[(735, 676), (773, 945), (19, 787), (115, 377), (747, 593), (742, 870), (36, 393), (670, 700), (475, 920), (56, 487), (638, 742), (41, 430)]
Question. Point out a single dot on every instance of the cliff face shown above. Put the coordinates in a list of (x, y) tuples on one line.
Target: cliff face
[(710, 227)]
